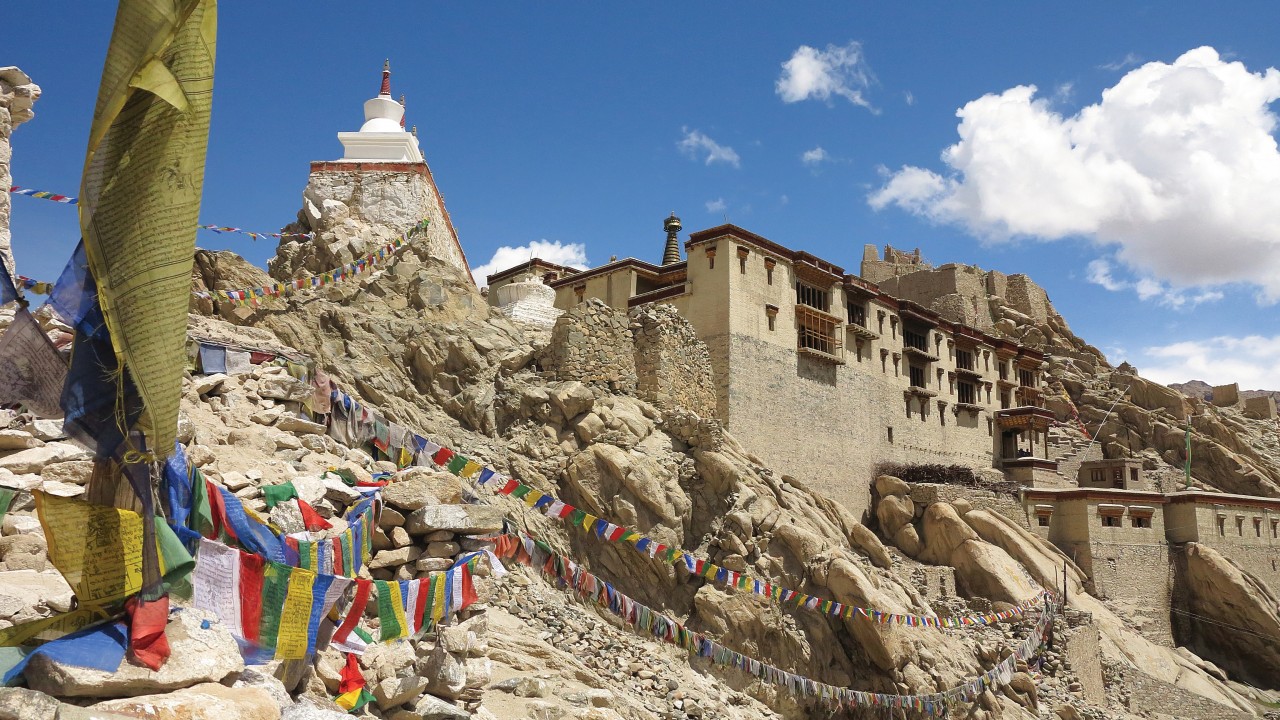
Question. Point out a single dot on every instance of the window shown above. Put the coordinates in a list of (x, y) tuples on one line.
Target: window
[(1275, 528), (1240, 527), (1042, 521), (964, 359), (890, 435), (768, 269), (1026, 378), (1133, 475), (967, 394), (772, 318), (1110, 521), (917, 376), (915, 340), (1004, 400), (1222, 526), (1257, 527), (1140, 521), (711, 258), (857, 315), (580, 291), (1098, 475), (1004, 369), (813, 297), (742, 259)]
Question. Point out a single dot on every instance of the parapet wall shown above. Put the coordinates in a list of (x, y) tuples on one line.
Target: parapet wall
[(592, 344)]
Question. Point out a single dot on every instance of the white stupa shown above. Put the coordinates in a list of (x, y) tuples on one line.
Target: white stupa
[(382, 138), (529, 300)]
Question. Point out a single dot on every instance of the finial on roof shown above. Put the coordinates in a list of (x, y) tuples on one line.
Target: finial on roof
[(402, 114), (672, 226), (386, 78), (415, 131)]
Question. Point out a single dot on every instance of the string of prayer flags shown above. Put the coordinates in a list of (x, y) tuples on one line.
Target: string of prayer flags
[(268, 605), (339, 274), (565, 571), (98, 549), (72, 200)]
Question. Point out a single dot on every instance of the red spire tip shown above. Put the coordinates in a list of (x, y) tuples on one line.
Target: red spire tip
[(386, 77)]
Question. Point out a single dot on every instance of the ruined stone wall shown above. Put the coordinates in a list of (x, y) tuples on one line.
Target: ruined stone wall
[(1083, 655), (1263, 407), (592, 344), (1166, 700), (1226, 395), (17, 95), (673, 367), (356, 208), (925, 494), (935, 582), (1025, 296)]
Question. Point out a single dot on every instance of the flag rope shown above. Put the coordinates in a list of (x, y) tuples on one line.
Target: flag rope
[(72, 200), (538, 555)]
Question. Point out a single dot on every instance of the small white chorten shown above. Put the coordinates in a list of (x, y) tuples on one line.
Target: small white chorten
[(529, 300), (382, 138)]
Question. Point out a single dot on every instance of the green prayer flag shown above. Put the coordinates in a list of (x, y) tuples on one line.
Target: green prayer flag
[(362, 633), (201, 519), (276, 494), (275, 587), (456, 463), (575, 518), (390, 626), (520, 491), (6, 499)]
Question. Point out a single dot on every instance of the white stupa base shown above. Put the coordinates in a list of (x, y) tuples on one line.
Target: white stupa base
[(380, 146)]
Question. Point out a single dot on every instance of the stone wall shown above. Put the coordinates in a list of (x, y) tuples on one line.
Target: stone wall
[(673, 367), (925, 494), (1137, 580), (1226, 395), (1166, 700), (356, 208), (17, 95), (1264, 407), (1025, 296), (935, 582), (592, 344), (1084, 655)]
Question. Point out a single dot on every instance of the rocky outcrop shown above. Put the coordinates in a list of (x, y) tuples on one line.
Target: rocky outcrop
[(1229, 615)]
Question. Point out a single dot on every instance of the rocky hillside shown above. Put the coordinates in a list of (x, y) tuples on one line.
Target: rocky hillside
[(1204, 391), (416, 342)]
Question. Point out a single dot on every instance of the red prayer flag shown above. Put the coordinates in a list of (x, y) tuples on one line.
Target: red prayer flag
[(147, 619), (356, 611), (468, 587), (442, 456), (311, 519), (350, 678), (251, 571), (509, 487)]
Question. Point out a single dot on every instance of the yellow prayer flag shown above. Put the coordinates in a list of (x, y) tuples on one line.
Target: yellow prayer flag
[(471, 468), (397, 607), (437, 596), (140, 193), (291, 640)]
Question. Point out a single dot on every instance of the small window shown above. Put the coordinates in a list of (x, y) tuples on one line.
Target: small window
[(1140, 521), (890, 435), (768, 269), (1043, 521), (1004, 400), (964, 360), (1110, 521), (1098, 476), (1240, 527), (772, 318), (967, 393), (1275, 528), (1222, 527), (917, 376), (580, 291), (857, 315), (1257, 527)]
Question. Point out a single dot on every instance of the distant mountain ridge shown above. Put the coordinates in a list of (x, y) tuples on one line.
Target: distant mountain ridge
[(1203, 390)]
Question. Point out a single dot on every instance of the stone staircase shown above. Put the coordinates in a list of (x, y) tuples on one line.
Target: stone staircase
[(1068, 450)]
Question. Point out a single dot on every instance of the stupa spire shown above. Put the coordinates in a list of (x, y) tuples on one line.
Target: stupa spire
[(671, 253), (386, 78), (402, 114)]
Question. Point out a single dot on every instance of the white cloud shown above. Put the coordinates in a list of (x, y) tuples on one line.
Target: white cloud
[(571, 254), (819, 74), (716, 206), (695, 143), (1248, 360), (815, 157), (1176, 166), (1101, 272), (1129, 60)]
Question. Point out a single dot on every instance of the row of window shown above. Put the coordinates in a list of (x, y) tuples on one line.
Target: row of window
[(1257, 527)]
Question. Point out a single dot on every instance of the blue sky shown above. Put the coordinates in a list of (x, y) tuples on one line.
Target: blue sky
[(583, 124)]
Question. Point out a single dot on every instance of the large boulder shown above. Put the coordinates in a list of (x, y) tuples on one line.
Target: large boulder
[(463, 519), (942, 531), (207, 701), (201, 652), (1236, 618), (984, 570)]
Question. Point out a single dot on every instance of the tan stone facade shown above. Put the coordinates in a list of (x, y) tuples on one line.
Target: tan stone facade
[(822, 373)]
